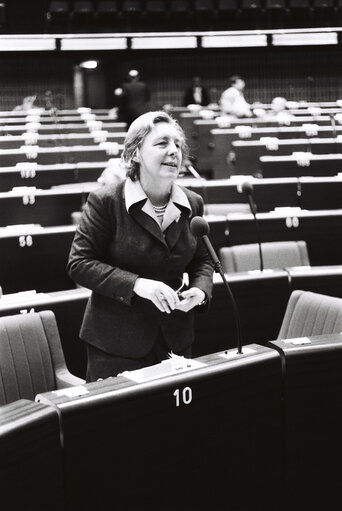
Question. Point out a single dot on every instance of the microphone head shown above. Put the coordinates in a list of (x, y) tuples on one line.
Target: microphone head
[(247, 187), (199, 227)]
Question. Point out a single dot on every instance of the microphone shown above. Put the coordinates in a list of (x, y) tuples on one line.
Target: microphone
[(248, 189), (193, 171), (200, 228)]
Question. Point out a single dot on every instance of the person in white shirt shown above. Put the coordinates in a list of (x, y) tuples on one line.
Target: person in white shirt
[(232, 101)]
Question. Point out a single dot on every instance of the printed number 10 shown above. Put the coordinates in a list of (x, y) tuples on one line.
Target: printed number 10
[(185, 397)]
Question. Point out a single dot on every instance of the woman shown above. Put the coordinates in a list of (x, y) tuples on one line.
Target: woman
[(132, 247)]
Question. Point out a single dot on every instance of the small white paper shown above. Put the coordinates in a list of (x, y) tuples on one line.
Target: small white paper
[(173, 365), (77, 390), (298, 341)]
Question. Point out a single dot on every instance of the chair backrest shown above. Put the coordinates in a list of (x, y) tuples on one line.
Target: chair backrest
[(31, 356), (309, 314), (276, 255)]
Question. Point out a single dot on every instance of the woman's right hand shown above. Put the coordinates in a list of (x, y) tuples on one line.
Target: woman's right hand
[(162, 295)]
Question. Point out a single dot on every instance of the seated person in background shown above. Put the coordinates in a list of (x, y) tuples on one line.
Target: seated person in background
[(27, 104), (232, 100), (113, 173), (278, 109), (196, 94)]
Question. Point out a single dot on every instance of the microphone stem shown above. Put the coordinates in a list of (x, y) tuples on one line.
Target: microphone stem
[(259, 242), (218, 269)]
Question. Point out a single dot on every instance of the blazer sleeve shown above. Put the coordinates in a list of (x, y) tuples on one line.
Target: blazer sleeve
[(87, 264)]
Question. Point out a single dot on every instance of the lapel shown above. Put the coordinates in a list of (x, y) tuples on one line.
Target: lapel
[(147, 222), (173, 231)]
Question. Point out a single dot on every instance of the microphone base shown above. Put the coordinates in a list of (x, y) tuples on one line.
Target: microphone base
[(229, 354)]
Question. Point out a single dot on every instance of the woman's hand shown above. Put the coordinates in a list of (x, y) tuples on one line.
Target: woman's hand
[(162, 295), (190, 299)]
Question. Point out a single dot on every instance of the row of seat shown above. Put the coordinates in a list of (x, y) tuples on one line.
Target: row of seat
[(227, 414), (226, 195), (31, 246), (218, 152), (245, 155), (62, 139), (202, 14), (200, 135), (55, 206)]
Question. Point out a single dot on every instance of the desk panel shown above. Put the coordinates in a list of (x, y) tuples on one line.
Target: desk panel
[(35, 259), (139, 450), (321, 192), (18, 129), (268, 193), (30, 458), (326, 280), (313, 387), (201, 140), (288, 166), (320, 229), (261, 299), (46, 176), (61, 140), (46, 156), (47, 208), (217, 147)]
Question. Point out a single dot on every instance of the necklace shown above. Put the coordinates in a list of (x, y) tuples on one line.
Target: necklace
[(160, 208)]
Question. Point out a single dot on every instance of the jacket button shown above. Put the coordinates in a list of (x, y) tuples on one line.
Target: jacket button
[(121, 298)]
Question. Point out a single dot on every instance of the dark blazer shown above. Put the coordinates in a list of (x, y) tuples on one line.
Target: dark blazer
[(189, 97), (136, 96), (111, 249)]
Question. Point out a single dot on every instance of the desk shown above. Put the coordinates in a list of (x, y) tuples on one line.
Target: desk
[(321, 192), (35, 258), (59, 140), (135, 447), (326, 280), (245, 155), (201, 142), (268, 193), (48, 155), (72, 127), (44, 207), (320, 229), (45, 176), (216, 149), (312, 392), (261, 299), (30, 458), (321, 165)]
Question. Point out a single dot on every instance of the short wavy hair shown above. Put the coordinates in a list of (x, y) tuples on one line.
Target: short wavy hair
[(136, 135)]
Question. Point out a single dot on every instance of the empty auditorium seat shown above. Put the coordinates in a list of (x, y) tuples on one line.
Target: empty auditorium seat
[(131, 14), (180, 14), (82, 16), (107, 15), (227, 12), (31, 357), (203, 14), (278, 255), (309, 314), (58, 15)]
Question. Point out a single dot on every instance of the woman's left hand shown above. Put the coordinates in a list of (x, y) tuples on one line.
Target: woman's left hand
[(190, 299)]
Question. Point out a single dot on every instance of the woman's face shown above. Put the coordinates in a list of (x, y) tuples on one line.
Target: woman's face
[(160, 155)]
